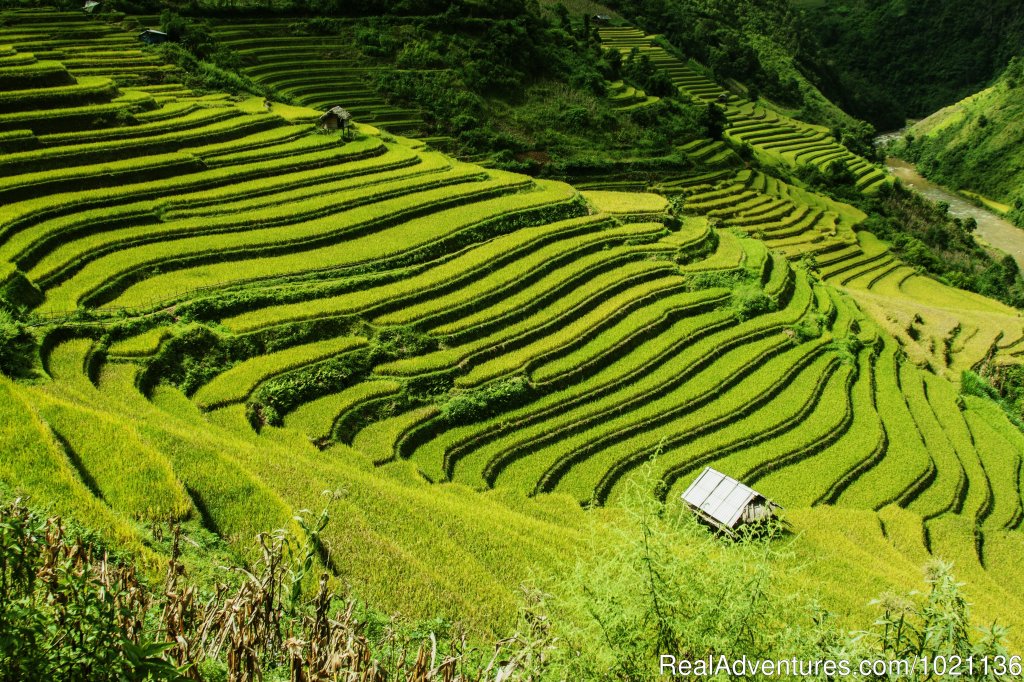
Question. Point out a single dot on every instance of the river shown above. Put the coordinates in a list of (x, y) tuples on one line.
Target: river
[(992, 228)]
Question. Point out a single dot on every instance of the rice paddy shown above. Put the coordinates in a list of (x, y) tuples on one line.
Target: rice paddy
[(246, 312)]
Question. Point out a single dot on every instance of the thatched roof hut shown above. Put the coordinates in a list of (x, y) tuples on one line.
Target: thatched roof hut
[(335, 118)]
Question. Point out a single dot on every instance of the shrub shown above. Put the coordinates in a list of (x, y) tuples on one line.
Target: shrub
[(936, 625), (204, 75), (71, 610), (463, 407), (17, 346), (750, 300), (665, 585), (1008, 391), (316, 26), (65, 611), (810, 327)]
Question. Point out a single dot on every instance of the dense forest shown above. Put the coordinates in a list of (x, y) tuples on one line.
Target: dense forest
[(894, 59)]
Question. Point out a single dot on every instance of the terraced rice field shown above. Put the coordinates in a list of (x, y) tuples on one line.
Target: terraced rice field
[(947, 329), (315, 71), (251, 311), (626, 98), (774, 137)]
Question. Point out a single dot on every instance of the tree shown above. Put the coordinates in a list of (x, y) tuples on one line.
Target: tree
[(1011, 271), (714, 121), (613, 58), (563, 18)]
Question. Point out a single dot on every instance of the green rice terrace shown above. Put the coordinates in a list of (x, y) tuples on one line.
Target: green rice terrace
[(236, 310), (311, 70)]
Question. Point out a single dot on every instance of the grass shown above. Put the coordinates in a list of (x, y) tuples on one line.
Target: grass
[(990, 204), (978, 497), (16, 215), (466, 266), (141, 345), (739, 392), (946, 493), (626, 202), (820, 476), (117, 150), (804, 414), (87, 90), (631, 330), (1001, 458), (239, 217), (584, 298), (516, 300), (504, 282), (683, 365), (188, 119), (635, 410), (406, 239), (574, 332), (378, 440), (35, 465), (437, 456), (133, 479)]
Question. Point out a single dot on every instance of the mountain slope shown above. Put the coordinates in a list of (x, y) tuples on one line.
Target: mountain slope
[(894, 59), (761, 48), (977, 144), (237, 312)]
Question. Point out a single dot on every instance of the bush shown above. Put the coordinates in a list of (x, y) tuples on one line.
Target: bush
[(464, 407), (749, 300), (935, 626), (205, 75), (17, 346), (1003, 384), (316, 26), (667, 585), (664, 584), (65, 611)]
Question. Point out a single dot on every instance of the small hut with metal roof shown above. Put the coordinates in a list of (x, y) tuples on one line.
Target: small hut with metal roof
[(151, 36), (725, 503), (335, 118)]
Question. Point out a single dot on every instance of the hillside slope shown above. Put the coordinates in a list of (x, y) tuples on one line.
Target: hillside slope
[(236, 312), (758, 47), (977, 144), (893, 60)]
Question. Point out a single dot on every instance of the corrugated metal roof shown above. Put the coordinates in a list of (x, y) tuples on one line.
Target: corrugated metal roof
[(720, 497), (338, 111)]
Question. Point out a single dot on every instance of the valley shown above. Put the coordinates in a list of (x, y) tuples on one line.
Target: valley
[(992, 228), (495, 360)]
